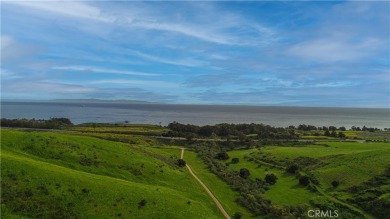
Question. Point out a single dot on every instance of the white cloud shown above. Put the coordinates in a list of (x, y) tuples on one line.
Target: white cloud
[(190, 62), (216, 29), (333, 50), (36, 87), (66, 8), (101, 70), (8, 75), (145, 83), (12, 50)]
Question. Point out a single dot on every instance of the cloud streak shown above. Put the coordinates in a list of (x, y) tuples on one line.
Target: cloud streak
[(92, 69)]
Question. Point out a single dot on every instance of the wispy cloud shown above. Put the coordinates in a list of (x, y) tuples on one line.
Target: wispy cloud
[(190, 62), (143, 83), (42, 87), (218, 29), (334, 50), (8, 75), (225, 52), (88, 69), (14, 51), (65, 8)]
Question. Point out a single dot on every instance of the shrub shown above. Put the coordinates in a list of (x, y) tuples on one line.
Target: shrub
[(304, 180), (181, 163), (270, 178), (222, 156), (142, 203), (335, 184), (235, 160), (244, 173), (292, 169)]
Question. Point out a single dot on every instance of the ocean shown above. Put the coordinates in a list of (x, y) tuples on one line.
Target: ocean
[(141, 113)]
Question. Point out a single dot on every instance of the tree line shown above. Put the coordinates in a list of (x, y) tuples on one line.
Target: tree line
[(52, 123), (225, 130)]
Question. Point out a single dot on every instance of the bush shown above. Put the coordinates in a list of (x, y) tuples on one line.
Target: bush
[(222, 156), (270, 178), (244, 173), (304, 180), (292, 169), (181, 163), (335, 184), (235, 160), (142, 203)]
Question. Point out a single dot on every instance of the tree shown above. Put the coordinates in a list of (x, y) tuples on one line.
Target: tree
[(235, 160), (244, 173), (341, 135), (335, 184), (327, 133), (304, 180), (222, 156), (292, 168), (181, 163), (270, 178)]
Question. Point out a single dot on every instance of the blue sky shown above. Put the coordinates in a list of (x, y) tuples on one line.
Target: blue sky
[(258, 53)]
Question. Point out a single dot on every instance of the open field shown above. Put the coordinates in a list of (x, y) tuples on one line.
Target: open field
[(121, 129)]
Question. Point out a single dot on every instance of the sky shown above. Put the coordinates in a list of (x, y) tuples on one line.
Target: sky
[(293, 53)]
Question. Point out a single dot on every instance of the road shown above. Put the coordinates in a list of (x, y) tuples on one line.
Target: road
[(225, 214)]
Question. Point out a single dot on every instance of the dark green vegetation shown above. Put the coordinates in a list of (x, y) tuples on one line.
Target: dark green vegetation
[(53, 123), (107, 170)]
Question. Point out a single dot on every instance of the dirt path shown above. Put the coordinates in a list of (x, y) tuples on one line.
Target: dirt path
[(205, 188), (182, 153)]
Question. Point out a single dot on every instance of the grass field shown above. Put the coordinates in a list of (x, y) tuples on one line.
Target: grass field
[(47, 173), (286, 191), (121, 129), (351, 163)]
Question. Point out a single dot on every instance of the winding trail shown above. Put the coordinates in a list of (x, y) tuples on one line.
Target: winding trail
[(205, 188)]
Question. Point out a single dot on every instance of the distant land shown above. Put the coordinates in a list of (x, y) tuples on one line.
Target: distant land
[(124, 101), (92, 100)]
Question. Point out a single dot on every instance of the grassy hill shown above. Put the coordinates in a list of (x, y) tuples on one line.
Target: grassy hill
[(117, 171), (62, 175)]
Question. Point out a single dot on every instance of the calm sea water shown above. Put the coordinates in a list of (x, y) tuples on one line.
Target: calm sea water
[(198, 114)]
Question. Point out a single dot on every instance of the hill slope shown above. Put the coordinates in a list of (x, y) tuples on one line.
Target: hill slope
[(61, 175)]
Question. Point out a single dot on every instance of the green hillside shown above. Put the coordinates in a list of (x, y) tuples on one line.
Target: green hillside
[(61, 175)]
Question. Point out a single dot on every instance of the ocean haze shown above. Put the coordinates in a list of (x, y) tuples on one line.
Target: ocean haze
[(152, 113)]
